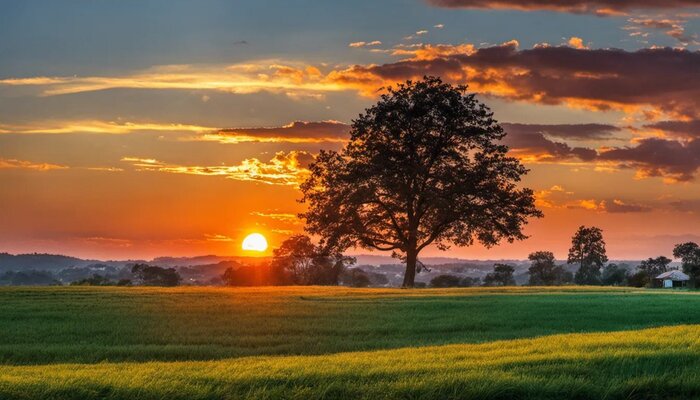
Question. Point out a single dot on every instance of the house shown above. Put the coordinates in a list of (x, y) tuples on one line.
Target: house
[(671, 279)]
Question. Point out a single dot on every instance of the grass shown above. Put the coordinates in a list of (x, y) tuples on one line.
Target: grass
[(192, 343)]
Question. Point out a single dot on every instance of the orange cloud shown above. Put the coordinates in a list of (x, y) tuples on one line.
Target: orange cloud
[(21, 164), (283, 169)]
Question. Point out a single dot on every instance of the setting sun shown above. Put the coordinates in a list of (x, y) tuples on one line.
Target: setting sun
[(255, 242)]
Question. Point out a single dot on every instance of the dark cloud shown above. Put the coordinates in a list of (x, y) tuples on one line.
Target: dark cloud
[(534, 146), (598, 7), (682, 129), (655, 157), (600, 79), (564, 131)]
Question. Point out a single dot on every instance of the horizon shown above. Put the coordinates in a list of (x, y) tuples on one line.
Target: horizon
[(193, 128)]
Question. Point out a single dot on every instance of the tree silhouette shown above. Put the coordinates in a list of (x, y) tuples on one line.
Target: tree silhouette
[(588, 250), (653, 267), (543, 271), (308, 264), (689, 253), (423, 166), (502, 275)]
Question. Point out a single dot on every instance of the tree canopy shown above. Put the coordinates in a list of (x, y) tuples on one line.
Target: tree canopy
[(424, 166), (588, 250)]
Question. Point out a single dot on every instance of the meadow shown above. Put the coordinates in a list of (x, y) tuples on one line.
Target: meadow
[(314, 343)]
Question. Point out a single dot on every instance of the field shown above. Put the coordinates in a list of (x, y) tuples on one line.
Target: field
[(313, 343)]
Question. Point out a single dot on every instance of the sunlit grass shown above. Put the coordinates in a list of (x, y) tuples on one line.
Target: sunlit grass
[(319, 342)]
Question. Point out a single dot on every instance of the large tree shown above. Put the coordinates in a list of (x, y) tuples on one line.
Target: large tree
[(588, 251), (424, 166), (689, 253), (654, 266)]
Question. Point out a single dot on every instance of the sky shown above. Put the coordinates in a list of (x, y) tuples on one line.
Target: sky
[(142, 128)]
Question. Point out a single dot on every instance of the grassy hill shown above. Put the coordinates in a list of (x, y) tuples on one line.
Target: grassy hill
[(305, 343)]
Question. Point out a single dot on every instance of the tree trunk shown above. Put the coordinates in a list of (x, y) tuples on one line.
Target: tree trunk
[(409, 277)]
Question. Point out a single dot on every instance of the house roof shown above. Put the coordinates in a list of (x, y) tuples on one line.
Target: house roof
[(674, 275)]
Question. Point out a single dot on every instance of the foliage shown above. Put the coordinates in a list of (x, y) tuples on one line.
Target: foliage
[(148, 275), (99, 280), (308, 264), (445, 280), (424, 166), (654, 267), (28, 278), (615, 275), (544, 272), (689, 253), (355, 277), (588, 251), (502, 275)]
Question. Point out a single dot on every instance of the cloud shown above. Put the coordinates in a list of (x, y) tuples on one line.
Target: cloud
[(283, 169), (597, 7), (21, 164), (619, 207), (438, 26), (531, 146), (96, 126), (655, 157), (664, 79), (278, 216), (253, 77), (564, 131), (296, 132), (671, 27), (577, 43), (365, 44), (681, 129), (557, 197)]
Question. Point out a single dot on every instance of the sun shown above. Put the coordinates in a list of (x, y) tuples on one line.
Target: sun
[(255, 242)]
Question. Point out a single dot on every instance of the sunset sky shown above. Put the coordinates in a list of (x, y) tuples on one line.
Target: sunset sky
[(141, 128)]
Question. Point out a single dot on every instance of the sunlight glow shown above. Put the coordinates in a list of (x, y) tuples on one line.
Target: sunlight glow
[(255, 242)]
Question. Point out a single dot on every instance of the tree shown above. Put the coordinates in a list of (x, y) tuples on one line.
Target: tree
[(689, 253), (445, 280), (149, 275), (308, 264), (355, 277), (588, 251), (502, 275), (543, 271), (614, 275), (654, 266), (423, 167)]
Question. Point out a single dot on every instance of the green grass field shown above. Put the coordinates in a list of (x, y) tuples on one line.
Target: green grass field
[(313, 343)]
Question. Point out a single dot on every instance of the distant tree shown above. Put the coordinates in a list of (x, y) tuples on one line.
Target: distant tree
[(149, 275), (588, 251), (543, 270), (355, 277), (689, 253), (614, 275), (502, 275), (424, 166), (445, 280), (308, 264), (653, 267), (469, 281), (638, 279), (94, 280), (29, 278)]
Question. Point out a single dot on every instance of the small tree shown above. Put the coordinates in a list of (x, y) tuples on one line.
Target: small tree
[(355, 277), (424, 166), (149, 275), (543, 270), (614, 275), (588, 251), (445, 280), (502, 275), (308, 264), (689, 253)]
